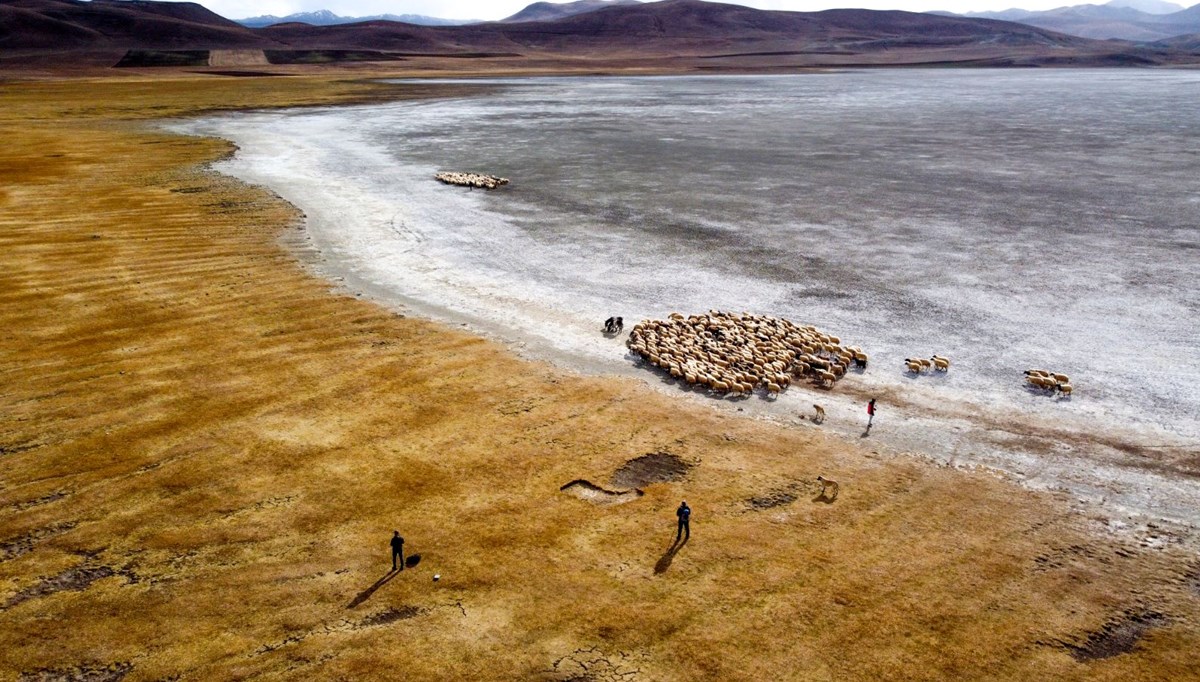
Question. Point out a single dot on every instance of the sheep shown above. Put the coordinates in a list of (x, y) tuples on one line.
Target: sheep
[(1065, 389), (740, 351), (940, 363), (1061, 378), (826, 486), (913, 366), (1042, 382)]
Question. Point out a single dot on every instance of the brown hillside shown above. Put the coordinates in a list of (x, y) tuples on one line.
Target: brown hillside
[(669, 35), (107, 23)]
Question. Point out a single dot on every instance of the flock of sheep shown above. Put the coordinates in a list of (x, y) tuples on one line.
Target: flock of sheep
[(734, 353), (471, 180), (918, 365), (737, 352), (1050, 381)]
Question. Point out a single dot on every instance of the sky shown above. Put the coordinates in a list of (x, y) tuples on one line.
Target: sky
[(498, 9)]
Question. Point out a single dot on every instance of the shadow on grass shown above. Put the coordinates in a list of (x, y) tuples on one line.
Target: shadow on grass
[(366, 594), (664, 562), (412, 560)]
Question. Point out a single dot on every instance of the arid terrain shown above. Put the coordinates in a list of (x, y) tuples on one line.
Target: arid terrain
[(205, 450), (688, 34)]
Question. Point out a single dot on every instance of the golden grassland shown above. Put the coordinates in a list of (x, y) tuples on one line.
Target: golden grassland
[(204, 450)]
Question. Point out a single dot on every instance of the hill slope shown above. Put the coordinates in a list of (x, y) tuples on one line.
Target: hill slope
[(63, 24), (549, 11), (662, 30), (1104, 22)]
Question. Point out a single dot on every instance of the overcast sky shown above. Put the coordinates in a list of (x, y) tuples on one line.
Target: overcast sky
[(498, 9)]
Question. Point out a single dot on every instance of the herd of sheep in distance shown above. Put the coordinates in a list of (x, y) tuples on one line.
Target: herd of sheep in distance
[(471, 180), (735, 353)]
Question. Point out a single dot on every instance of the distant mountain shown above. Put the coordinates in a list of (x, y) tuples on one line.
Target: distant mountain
[(66, 24), (1147, 6), (549, 11), (326, 18), (1117, 19), (673, 33), (1185, 43)]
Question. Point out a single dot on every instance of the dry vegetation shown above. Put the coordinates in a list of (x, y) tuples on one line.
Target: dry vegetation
[(203, 452)]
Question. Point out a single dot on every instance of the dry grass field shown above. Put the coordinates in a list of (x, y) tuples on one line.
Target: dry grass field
[(204, 451)]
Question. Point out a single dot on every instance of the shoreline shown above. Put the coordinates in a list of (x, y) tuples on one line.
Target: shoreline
[(206, 450), (1115, 475)]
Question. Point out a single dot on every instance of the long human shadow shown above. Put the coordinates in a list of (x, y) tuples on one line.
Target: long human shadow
[(366, 594), (664, 562)]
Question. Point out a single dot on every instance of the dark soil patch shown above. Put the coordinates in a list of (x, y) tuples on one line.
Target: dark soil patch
[(15, 547), (244, 74), (586, 490), (71, 580), (113, 672), (390, 615), (144, 58), (655, 467), (774, 498), (1118, 636), (44, 499)]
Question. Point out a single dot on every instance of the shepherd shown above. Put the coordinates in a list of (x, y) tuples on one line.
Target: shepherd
[(870, 413), (397, 551), (684, 530)]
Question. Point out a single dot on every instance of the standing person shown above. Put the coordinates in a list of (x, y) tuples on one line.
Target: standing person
[(397, 551), (870, 413), (685, 515)]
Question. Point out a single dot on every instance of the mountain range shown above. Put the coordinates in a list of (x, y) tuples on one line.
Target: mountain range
[(1115, 20), (326, 18), (706, 35)]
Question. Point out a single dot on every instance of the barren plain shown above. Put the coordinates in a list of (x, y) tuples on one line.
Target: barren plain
[(204, 450)]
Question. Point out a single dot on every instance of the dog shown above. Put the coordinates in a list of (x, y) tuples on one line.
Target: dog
[(826, 485), (819, 417)]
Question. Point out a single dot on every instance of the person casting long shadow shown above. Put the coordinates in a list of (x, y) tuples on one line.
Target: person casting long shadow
[(366, 594), (683, 533)]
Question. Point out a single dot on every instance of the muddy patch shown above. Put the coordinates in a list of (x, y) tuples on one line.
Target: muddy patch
[(74, 579), (655, 467), (593, 665), (389, 615), (774, 498), (590, 492), (113, 672), (15, 547), (37, 502), (1117, 636)]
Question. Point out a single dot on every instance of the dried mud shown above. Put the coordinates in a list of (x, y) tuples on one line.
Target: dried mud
[(590, 492), (1118, 636), (654, 467)]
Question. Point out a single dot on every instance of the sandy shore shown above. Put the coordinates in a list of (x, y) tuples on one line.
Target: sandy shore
[(205, 450)]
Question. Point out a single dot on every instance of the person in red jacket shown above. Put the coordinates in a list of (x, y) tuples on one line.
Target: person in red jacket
[(870, 413)]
